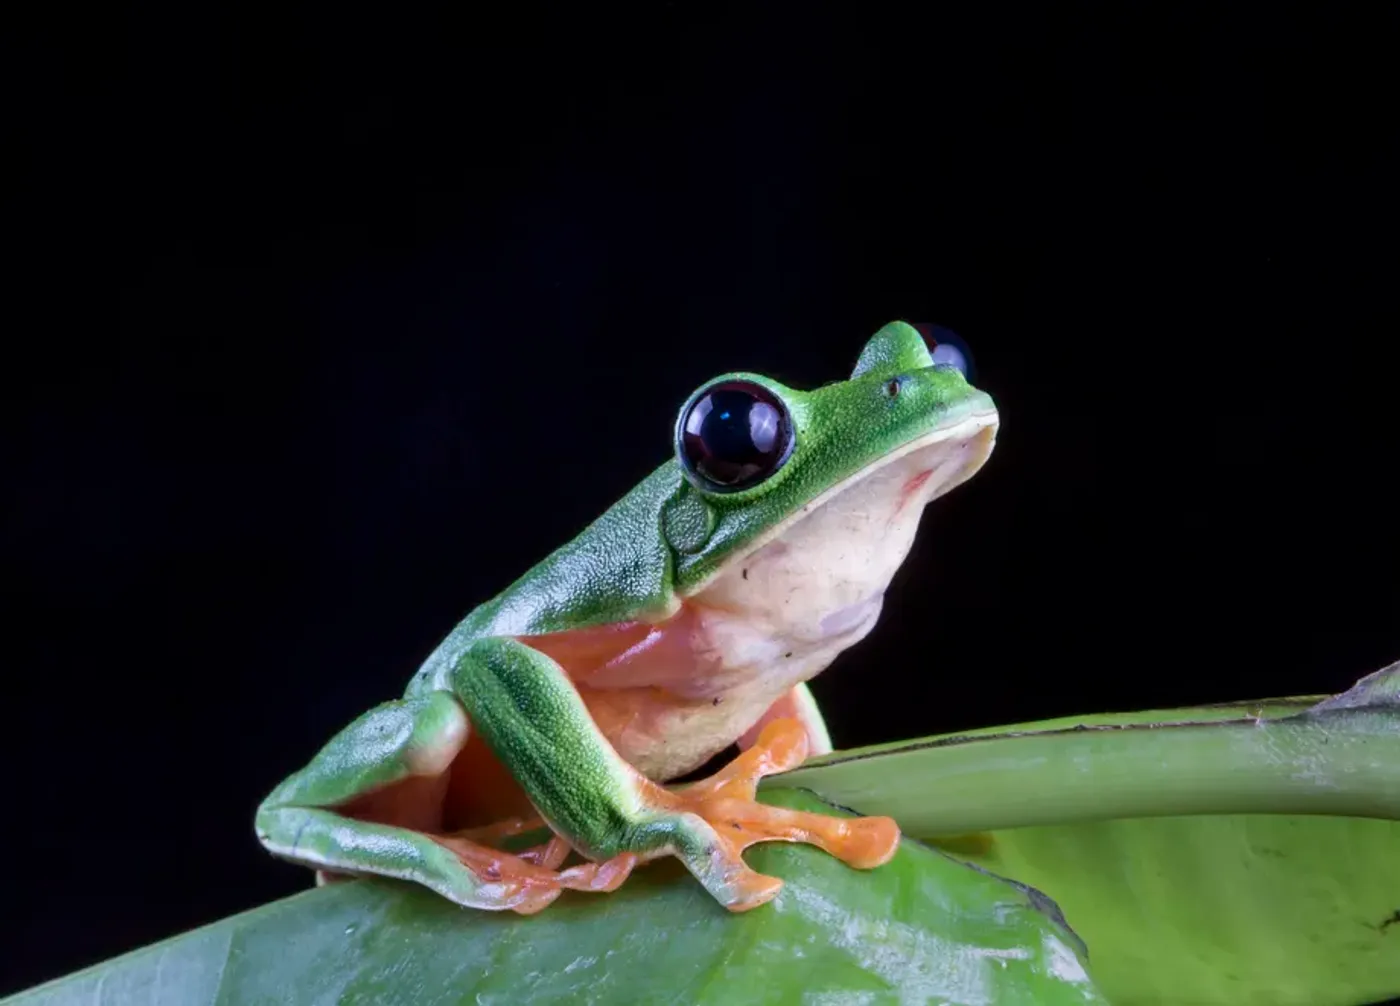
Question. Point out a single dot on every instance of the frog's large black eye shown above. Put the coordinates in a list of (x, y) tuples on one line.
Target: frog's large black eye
[(734, 435)]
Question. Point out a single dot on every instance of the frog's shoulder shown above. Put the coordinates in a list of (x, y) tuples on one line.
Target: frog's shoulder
[(619, 568)]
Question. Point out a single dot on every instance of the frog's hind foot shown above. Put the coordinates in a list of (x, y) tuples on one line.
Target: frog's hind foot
[(550, 855), (601, 877), (736, 820), (531, 881), (353, 814)]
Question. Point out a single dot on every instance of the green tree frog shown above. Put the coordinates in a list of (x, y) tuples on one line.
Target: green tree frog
[(686, 618)]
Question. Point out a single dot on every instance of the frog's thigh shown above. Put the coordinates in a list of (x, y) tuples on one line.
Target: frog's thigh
[(531, 715), (796, 704), (391, 760)]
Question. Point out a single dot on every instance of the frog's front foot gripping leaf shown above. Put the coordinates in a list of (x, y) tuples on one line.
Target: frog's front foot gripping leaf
[(727, 820)]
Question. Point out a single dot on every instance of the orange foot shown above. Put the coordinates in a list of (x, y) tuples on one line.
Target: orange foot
[(533, 869), (529, 881), (550, 855), (707, 824), (726, 803)]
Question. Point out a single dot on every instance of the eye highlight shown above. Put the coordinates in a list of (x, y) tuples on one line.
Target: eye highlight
[(734, 435)]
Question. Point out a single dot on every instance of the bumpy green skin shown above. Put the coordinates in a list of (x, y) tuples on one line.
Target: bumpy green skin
[(624, 567), (659, 543)]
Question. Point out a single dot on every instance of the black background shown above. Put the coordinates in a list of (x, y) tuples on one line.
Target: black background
[(330, 324)]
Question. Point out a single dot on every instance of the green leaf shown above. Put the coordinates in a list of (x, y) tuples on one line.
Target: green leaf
[(923, 928), (1233, 854), (1237, 854)]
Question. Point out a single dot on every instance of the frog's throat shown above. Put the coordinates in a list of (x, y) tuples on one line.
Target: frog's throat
[(972, 436)]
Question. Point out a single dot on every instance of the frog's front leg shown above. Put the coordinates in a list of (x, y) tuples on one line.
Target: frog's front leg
[(532, 717), (370, 803)]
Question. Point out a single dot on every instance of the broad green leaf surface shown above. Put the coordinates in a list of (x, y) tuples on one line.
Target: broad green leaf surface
[(922, 929), (1233, 855), (1232, 910), (1238, 854)]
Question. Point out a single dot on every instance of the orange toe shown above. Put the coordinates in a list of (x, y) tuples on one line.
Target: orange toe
[(551, 855), (753, 890), (780, 747), (599, 877), (861, 842), (727, 802), (536, 901)]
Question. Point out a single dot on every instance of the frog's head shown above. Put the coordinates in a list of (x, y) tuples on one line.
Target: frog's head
[(830, 481)]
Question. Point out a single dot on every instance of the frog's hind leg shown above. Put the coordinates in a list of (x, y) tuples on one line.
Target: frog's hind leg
[(523, 703), (370, 803)]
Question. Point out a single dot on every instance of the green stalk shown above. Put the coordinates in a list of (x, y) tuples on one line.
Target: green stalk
[(1338, 758)]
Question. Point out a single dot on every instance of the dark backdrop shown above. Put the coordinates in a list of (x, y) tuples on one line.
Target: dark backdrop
[(330, 324)]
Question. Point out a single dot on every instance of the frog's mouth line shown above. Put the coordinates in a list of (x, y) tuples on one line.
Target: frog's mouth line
[(974, 435)]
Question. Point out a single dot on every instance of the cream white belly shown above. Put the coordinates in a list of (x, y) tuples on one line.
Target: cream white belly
[(776, 616)]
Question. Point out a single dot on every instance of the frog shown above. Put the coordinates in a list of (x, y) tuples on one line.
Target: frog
[(534, 750)]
